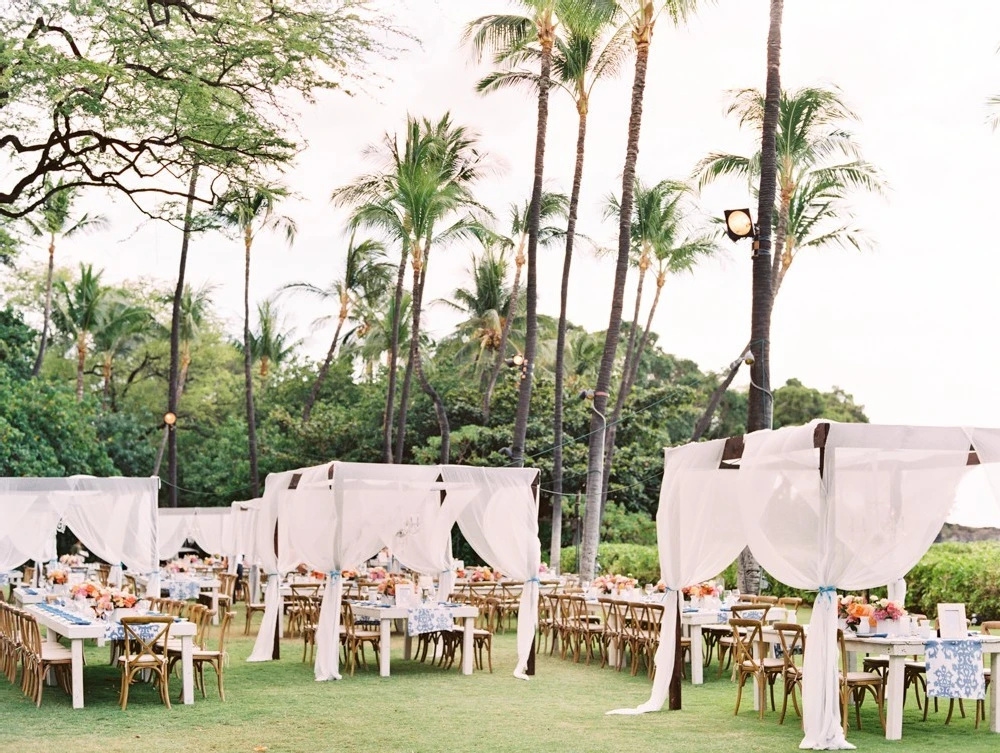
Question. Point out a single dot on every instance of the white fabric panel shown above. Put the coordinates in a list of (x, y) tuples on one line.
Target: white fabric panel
[(883, 496), (175, 528), (987, 444), (261, 553), (27, 528), (115, 518), (698, 535), (211, 528), (501, 524)]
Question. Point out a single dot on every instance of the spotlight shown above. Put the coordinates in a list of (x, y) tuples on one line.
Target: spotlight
[(739, 225), (748, 358), (586, 394), (516, 361), (169, 419)]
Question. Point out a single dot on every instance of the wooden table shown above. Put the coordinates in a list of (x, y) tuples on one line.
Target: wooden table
[(77, 634), (900, 649), (207, 585), (385, 616)]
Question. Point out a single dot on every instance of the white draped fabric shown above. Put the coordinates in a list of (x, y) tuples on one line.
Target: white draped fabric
[(208, 527), (698, 535), (340, 514), (175, 529), (239, 534), (115, 518), (500, 522), (883, 495)]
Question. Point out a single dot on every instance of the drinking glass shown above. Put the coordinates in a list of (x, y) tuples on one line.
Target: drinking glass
[(648, 590)]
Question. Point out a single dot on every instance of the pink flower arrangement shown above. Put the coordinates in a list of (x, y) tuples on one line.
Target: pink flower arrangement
[(57, 577), (71, 560), (88, 590), (377, 573), (708, 588), (388, 585), (888, 610), (614, 583), (178, 566), (121, 599), (482, 574), (460, 572), (349, 574), (661, 586)]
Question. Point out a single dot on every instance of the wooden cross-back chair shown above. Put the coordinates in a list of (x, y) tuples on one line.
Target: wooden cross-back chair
[(139, 653)]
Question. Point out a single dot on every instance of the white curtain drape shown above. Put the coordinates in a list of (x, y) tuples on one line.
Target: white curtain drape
[(175, 528), (27, 526), (261, 553), (239, 534), (884, 493), (211, 528), (698, 535), (115, 518), (501, 524)]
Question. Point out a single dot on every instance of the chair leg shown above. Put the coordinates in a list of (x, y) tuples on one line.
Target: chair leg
[(739, 694)]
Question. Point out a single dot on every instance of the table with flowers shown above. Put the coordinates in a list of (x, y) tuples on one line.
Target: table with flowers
[(386, 613), (61, 620)]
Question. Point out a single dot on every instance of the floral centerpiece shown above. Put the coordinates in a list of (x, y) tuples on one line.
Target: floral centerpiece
[(387, 586), (178, 566), (71, 560), (377, 573), (700, 590), (349, 574), (613, 583), (483, 574), (886, 611), (122, 599), (858, 610), (88, 590), (213, 561), (58, 577), (661, 586), (543, 568), (461, 573)]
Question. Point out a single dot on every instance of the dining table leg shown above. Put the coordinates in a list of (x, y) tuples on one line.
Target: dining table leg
[(50, 677), (994, 695), (215, 606), (187, 669), (76, 650), (467, 646), (384, 645), (894, 698), (697, 666), (407, 645)]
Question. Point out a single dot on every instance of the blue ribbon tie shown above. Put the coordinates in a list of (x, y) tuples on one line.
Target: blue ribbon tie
[(533, 580), (334, 575)]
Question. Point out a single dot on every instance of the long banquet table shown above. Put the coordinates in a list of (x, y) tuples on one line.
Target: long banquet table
[(56, 626), (899, 649), (386, 614)]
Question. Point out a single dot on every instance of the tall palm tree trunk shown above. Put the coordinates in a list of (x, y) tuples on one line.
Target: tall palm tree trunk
[(81, 358), (595, 455), (555, 545), (390, 395), (780, 233), (325, 368), (760, 409), (106, 373), (624, 388), (546, 38), (417, 262), (173, 388), (504, 335), (248, 371), (36, 369), (439, 410)]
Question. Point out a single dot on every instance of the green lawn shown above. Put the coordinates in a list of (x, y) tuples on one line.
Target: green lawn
[(422, 708)]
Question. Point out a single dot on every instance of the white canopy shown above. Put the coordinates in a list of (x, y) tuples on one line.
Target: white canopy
[(209, 527), (822, 507), (335, 516), (115, 518)]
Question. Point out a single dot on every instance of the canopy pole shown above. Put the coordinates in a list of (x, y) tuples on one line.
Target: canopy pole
[(674, 693)]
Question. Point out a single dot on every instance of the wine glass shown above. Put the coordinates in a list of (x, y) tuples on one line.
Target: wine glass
[(648, 590)]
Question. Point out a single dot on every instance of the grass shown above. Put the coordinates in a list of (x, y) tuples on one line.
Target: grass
[(422, 708)]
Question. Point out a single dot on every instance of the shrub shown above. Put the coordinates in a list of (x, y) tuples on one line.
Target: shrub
[(957, 572)]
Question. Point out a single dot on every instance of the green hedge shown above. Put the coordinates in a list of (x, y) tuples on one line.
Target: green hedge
[(954, 572), (634, 560)]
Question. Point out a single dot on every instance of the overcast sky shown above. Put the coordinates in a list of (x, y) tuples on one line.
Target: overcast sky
[(908, 329)]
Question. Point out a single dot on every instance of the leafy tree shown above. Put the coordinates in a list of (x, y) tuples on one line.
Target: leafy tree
[(112, 93), (16, 338), (79, 312), (366, 275), (795, 405), (55, 222), (642, 16), (248, 210)]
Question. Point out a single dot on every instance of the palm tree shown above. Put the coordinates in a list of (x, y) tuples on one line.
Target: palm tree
[(642, 17), (365, 270), (371, 340), (56, 222), (123, 326), (661, 236), (78, 313), (421, 187), (249, 210), (271, 344), (507, 35), (193, 310), (486, 305), (553, 206), (812, 144)]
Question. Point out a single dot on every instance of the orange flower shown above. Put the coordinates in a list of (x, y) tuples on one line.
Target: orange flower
[(859, 610)]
